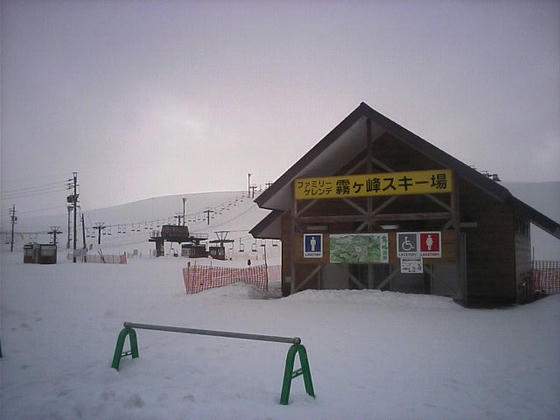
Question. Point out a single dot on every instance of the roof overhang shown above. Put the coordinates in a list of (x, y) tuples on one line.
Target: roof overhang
[(347, 139), (270, 227)]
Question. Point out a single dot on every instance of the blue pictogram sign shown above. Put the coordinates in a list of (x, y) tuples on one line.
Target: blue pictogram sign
[(313, 245)]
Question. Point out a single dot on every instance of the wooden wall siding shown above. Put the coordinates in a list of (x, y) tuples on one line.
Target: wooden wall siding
[(490, 247), (449, 253), (403, 204), (523, 257), (393, 153), (286, 252)]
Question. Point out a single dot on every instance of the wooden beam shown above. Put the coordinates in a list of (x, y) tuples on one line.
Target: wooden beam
[(374, 218), (304, 282), (381, 164), (456, 219), (384, 204), (307, 207), (293, 242), (389, 277), (355, 280), (354, 167), (438, 201), (354, 205), (361, 227), (447, 225)]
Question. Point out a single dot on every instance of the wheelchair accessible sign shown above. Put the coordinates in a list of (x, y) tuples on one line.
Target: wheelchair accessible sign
[(313, 245), (407, 244), (413, 244)]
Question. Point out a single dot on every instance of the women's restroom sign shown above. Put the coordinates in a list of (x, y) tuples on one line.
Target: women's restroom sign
[(419, 244), (430, 244)]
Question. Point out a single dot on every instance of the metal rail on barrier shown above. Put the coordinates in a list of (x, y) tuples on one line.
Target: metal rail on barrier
[(228, 334), (289, 373)]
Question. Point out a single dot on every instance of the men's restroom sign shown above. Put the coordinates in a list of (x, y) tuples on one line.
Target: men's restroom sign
[(313, 245), (407, 244), (430, 244)]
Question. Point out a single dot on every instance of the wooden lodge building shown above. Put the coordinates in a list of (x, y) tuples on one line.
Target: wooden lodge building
[(373, 205)]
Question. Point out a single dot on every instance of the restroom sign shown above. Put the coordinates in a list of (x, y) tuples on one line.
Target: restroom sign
[(313, 245), (407, 244), (430, 244)]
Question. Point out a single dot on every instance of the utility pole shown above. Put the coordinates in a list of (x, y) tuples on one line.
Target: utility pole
[(54, 231), (99, 226), (184, 211), (72, 201), (208, 214), (248, 185), (84, 231), (69, 226), (14, 220), (75, 175), (252, 188), (179, 217)]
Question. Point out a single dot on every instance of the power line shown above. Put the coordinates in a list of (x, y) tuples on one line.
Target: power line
[(23, 194), (34, 187)]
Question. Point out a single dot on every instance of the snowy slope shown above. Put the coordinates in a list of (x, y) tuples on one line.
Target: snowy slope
[(372, 354), (129, 225)]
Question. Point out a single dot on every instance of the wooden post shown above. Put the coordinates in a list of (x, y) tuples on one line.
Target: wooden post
[(369, 168), (292, 242), (456, 218)]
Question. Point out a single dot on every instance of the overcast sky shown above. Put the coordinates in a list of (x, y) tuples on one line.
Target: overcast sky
[(149, 98)]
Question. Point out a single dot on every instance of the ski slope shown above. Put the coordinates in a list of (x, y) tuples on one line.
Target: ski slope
[(129, 225)]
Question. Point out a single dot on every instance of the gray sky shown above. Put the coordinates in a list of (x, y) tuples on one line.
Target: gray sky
[(148, 98)]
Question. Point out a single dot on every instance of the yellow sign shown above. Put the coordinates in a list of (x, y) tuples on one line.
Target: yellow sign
[(388, 183)]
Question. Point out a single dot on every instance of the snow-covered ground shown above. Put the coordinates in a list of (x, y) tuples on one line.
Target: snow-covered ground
[(372, 354)]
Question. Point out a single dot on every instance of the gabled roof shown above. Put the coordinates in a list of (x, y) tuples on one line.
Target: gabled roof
[(270, 227), (340, 145)]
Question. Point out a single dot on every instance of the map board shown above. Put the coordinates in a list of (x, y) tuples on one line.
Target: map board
[(361, 248)]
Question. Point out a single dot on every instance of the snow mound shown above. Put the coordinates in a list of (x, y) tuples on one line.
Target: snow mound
[(375, 297), (235, 291)]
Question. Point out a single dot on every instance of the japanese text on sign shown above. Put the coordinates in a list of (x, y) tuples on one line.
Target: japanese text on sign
[(390, 183)]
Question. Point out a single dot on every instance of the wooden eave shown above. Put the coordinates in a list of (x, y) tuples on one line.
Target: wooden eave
[(326, 154), (270, 227)]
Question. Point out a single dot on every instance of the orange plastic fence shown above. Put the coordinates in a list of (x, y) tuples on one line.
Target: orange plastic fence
[(546, 276), (200, 277)]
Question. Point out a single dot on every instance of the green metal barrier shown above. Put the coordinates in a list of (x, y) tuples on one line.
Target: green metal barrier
[(289, 373)]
